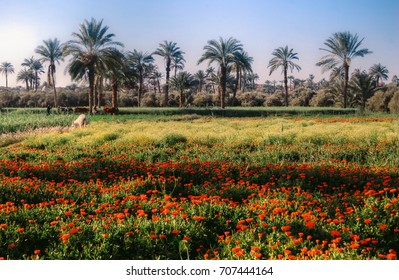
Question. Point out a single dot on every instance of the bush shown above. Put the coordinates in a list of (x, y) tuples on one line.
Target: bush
[(202, 100), (274, 100), (252, 98), (394, 103), (322, 98), (379, 101)]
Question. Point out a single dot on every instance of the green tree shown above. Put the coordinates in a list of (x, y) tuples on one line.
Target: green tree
[(242, 64), (178, 63), (25, 75), (169, 51), (51, 53), (379, 72), (364, 86), (342, 48), (200, 76), (182, 82), (37, 68), (93, 51), (139, 62), (6, 68), (222, 52), (283, 57)]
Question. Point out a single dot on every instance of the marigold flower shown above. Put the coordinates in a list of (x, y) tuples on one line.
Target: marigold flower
[(21, 230), (367, 221), (383, 226), (175, 231), (335, 233), (285, 228)]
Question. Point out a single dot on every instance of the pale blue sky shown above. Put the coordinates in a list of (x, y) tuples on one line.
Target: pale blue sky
[(261, 25)]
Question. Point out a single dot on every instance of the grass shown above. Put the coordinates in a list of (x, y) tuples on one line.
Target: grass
[(180, 187)]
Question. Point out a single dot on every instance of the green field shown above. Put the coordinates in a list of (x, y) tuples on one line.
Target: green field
[(200, 186)]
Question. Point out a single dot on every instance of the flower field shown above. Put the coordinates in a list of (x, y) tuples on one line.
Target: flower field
[(204, 188)]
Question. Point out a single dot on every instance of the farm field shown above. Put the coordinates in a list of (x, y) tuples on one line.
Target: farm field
[(200, 187)]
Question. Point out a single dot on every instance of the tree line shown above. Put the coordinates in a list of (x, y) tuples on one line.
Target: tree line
[(96, 58)]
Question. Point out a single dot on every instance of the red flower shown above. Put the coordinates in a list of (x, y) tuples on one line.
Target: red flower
[(335, 233)]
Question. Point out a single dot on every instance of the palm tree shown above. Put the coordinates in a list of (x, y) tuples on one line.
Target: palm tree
[(36, 66), (93, 51), (6, 68), (223, 53), (181, 82), (379, 72), (342, 47), (168, 50), (252, 77), (242, 63), (200, 76), (283, 57), (51, 52), (364, 87), (178, 63), (25, 75), (139, 62)]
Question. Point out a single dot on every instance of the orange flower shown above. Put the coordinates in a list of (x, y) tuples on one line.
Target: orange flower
[(258, 255), (335, 233), (175, 231), (367, 221), (310, 225), (68, 213), (36, 252), (383, 226), (120, 216), (354, 246), (285, 228), (21, 229), (53, 223)]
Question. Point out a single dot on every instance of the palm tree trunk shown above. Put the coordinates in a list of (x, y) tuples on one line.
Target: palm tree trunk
[(91, 88), (114, 99), (140, 90), (100, 92), (223, 74), (165, 104), (54, 88), (237, 82), (27, 85), (286, 86), (181, 99), (6, 80), (346, 81)]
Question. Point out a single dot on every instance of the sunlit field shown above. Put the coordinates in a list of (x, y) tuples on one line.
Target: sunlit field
[(203, 187)]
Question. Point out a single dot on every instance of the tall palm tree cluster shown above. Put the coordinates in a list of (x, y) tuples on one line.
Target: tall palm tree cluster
[(96, 58)]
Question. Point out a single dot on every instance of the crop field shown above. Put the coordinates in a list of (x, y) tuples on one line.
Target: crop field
[(200, 187)]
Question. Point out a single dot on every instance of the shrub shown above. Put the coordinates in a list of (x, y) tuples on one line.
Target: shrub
[(322, 98), (202, 100)]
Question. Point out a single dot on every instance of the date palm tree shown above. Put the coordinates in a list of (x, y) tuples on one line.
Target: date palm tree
[(221, 51), (169, 51), (25, 75), (342, 47), (51, 52), (139, 62), (37, 68), (93, 51), (242, 64), (181, 82), (379, 72), (283, 57), (6, 68), (364, 86), (178, 63), (200, 76)]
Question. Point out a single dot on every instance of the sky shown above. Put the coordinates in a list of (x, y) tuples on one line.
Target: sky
[(260, 25)]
